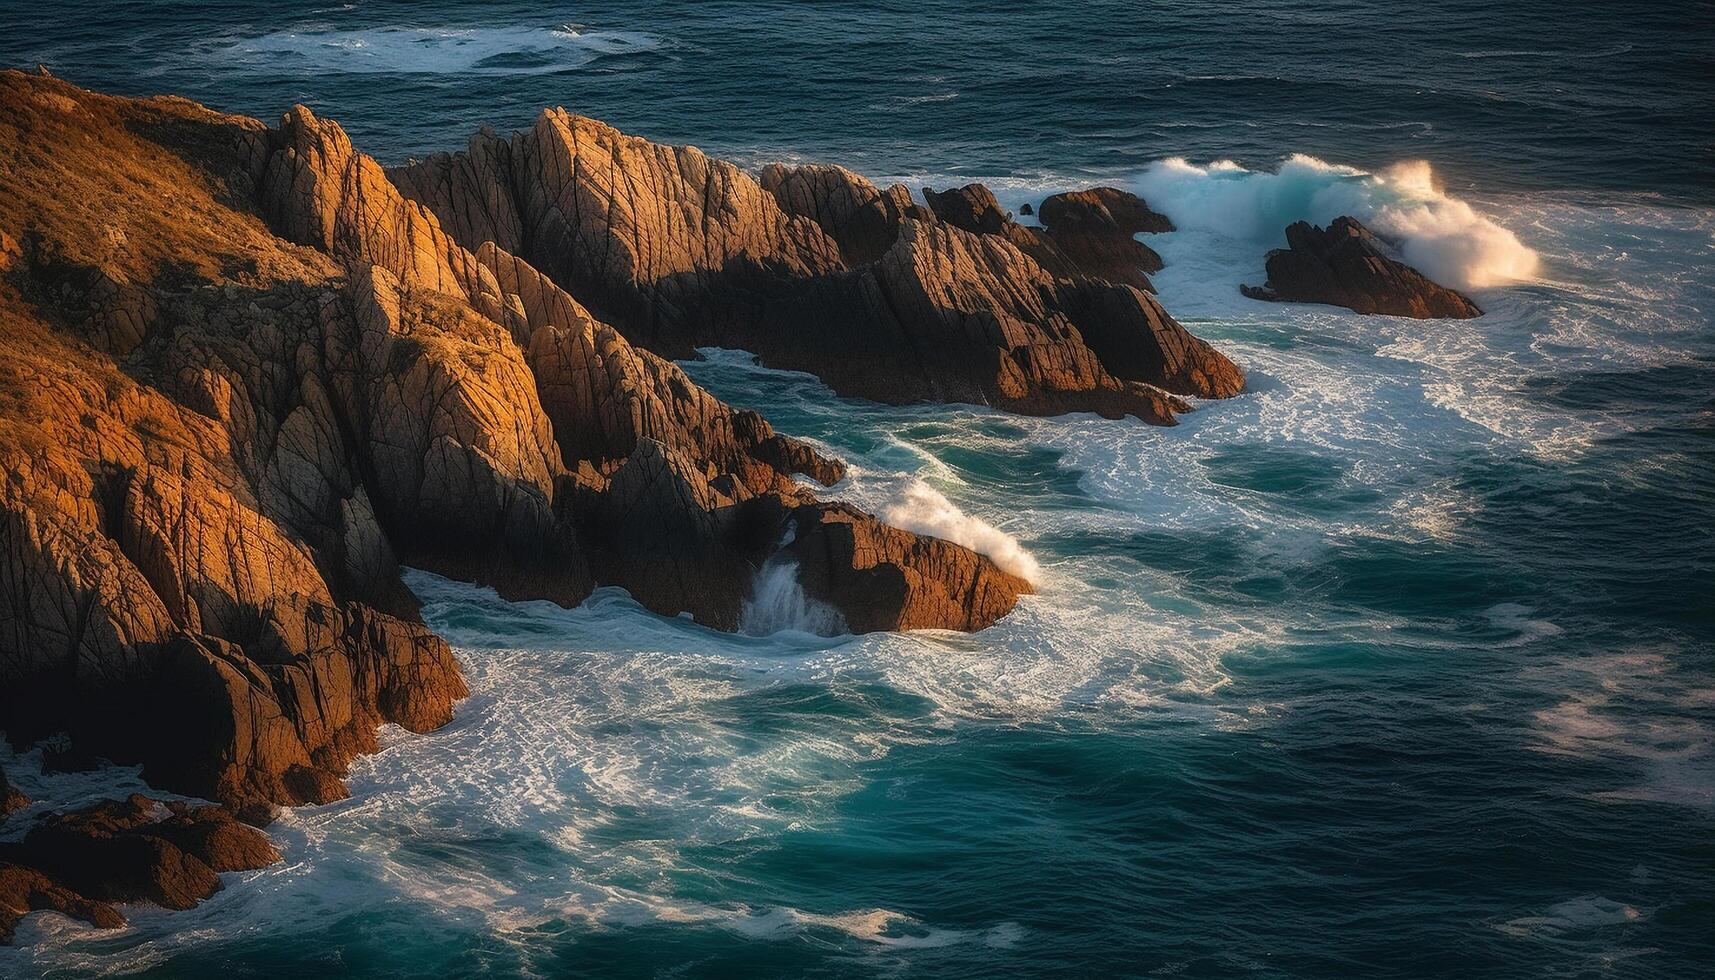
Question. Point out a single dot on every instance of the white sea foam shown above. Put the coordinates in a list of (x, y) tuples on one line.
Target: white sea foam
[(1518, 618), (435, 50), (926, 510), (1639, 705), (778, 602), (1441, 235)]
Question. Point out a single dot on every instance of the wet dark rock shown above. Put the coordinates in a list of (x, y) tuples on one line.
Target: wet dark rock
[(1096, 229), (137, 849), (1102, 209), (1345, 265), (24, 890)]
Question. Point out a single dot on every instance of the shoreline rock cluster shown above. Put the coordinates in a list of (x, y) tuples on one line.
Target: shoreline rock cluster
[(816, 269), (249, 373)]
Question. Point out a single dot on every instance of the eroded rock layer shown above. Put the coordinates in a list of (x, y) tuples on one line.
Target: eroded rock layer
[(244, 378), (1344, 265), (814, 268)]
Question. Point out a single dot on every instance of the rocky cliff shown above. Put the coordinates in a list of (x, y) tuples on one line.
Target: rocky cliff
[(247, 373), (244, 378), (814, 268)]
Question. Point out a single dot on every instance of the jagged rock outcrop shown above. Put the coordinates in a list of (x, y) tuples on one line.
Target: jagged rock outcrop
[(863, 220), (138, 849), (974, 208), (1101, 209), (1096, 230), (243, 378), (1344, 265), (816, 269), (982, 322), (683, 542), (193, 573)]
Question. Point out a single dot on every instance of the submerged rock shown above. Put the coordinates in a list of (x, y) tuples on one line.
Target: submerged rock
[(1344, 265)]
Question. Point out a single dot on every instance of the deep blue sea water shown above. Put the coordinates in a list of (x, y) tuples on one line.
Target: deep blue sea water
[(1401, 664)]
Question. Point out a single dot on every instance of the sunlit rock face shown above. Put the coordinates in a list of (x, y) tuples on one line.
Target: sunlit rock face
[(245, 378), (815, 268)]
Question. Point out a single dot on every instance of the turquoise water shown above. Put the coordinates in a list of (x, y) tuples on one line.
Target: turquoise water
[(1398, 664)]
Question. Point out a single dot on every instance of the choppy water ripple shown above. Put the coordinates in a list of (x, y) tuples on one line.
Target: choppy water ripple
[(1585, 96)]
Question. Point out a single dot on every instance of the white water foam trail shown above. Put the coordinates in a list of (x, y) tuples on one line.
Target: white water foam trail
[(435, 50), (1443, 236)]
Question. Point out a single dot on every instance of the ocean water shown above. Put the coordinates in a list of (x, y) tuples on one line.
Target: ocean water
[(1400, 664)]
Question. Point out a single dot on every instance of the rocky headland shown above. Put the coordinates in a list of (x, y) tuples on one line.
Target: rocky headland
[(248, 373)]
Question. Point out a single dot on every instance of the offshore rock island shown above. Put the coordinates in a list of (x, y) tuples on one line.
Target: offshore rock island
[(248, 373)]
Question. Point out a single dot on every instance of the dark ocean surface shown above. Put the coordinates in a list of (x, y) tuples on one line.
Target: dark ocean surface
[(1400, 664)]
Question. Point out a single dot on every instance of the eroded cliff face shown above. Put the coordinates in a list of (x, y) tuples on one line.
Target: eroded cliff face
[(244, 377), (814, 268)]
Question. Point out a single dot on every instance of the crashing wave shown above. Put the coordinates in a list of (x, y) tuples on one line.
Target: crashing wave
[(779, 603), (923, 509), (1442, 236)]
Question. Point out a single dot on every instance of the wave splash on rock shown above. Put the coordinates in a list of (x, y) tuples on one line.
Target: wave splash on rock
[(1441, 235), (779, 603), (926, 510)]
